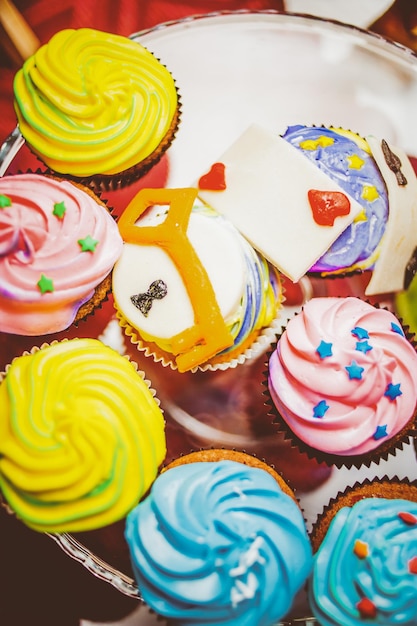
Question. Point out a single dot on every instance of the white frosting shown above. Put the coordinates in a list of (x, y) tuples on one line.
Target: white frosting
[(267, 181), (140, 265), (400, 237)]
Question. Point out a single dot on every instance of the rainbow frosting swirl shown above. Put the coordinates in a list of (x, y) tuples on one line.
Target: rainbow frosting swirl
[(81, 436), (347, 159), (90, 102), (218, 543), (365, 570), (57, 243), (344, 376)]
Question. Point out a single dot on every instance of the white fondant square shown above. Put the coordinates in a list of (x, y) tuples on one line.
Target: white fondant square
[(267, 181)]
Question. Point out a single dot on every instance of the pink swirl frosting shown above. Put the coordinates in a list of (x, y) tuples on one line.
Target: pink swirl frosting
[(57, 243), (344, 376)]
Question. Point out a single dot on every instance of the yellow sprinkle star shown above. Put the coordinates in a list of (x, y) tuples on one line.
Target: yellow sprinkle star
[(313, 144), (355, 162), (370, 193), (361, 217)]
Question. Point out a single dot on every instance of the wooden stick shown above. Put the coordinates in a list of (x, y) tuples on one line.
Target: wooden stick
[(19, 40)]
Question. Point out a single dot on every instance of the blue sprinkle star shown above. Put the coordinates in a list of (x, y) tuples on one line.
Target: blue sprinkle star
[(324, 349), (363, 346), (354, 370), (360, 333), (381, 432), (320, 409), (397, 329), (393, 391)]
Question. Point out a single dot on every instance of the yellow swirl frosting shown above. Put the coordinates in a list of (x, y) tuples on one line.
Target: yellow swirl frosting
[(90, 102), (81, 436)]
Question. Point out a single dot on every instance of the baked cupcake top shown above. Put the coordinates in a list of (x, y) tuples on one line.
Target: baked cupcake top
[(57, 243), (344, 376), (322, 200), (365, 571), (81, 436), (218, 543), (346, 158), (90, 102), (201, 289)]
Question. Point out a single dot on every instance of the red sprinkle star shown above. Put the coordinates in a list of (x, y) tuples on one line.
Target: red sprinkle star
[(366, 608), (412, 565)]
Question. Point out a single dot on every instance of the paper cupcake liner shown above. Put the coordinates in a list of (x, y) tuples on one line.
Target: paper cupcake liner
[(382, 452), (385, 487), (254, 347)]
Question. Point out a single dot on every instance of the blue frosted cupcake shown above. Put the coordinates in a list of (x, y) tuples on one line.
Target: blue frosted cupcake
[(219, 542)]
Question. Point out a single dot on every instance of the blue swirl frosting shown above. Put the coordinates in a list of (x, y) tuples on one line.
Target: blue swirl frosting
[(218, 543), (345, 158), (381, 577)]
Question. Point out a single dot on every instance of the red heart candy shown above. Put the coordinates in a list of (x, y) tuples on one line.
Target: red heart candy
[(214, 180), (327, 205)]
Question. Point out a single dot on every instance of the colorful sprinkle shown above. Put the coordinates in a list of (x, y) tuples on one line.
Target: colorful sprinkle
[(360, 333), (361, 549), (5, 201), (393, 391), (366, 608), (354, 370), (324, 349), (88, 244), (408, 518), (45, 284), (381, 432), (355, 162), (363, 346), (59, 209), (412, 565), (320, 409), (396, 328), (313, 144), (370, 193)]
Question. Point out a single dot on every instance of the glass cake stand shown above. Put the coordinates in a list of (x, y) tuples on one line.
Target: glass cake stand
[(233, 69)]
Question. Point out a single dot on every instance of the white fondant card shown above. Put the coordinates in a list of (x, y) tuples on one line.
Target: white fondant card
[(266, 197)]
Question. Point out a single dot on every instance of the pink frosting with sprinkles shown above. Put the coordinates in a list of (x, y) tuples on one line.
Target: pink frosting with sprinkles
[(344, 376), (56, 245)]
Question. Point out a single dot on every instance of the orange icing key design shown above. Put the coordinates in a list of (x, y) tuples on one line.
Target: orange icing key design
[(209, 334)]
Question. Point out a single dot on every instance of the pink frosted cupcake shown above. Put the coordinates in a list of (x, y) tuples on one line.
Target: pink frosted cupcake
[(58, 245), (343, 380)]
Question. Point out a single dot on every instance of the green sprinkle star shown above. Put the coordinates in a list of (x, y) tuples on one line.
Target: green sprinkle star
[(59, 209), (45, 284), (88, 244), (4, 201)]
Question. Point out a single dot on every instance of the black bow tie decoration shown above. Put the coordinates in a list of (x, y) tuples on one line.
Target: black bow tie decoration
[(143, 301)]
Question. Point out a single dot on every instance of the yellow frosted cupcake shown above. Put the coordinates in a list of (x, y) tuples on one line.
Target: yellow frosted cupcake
[(81, 436), (96, 106)]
